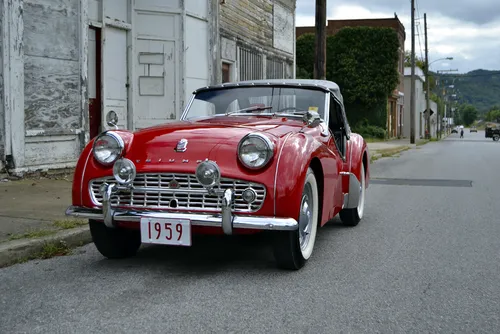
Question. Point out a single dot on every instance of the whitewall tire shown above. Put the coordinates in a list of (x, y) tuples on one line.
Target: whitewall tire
[(293, 249)]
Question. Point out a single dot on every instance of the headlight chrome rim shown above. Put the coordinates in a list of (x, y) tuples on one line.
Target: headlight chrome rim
[(216, 171), (120, 164), (267, 142), (119, 141)]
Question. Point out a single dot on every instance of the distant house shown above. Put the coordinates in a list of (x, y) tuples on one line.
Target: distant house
[(67, 65), (395, 101)]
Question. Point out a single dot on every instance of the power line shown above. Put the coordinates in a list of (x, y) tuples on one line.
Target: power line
[(418, 30)]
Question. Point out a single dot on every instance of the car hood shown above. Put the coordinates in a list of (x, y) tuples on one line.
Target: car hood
[(208, 139)]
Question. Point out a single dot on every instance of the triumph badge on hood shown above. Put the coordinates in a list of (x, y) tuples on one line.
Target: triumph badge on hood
[(181, 145)]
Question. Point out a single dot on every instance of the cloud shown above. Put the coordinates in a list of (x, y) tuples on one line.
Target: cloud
[(477, 11), (472, 45)]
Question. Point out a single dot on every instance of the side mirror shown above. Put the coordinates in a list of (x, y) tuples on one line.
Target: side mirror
[(112, 119), (312, 118)]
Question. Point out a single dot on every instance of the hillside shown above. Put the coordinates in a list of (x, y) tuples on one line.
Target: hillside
[(481, 88)]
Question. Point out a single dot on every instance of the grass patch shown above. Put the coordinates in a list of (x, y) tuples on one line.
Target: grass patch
[(67, 224), (49, 250), (64, 224), (374, 140), (389, 152), (32, 234), (52, 249), (422, 142)]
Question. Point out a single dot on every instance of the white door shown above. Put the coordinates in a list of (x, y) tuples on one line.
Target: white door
[(157, 83), (156, 73), (115, 75)]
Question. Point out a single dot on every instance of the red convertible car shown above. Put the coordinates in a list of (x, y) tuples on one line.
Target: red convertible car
[(245, 157)]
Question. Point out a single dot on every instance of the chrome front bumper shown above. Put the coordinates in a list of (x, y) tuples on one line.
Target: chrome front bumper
[(226, 220)]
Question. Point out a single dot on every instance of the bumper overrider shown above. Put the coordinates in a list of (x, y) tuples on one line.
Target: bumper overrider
[(225, 219)]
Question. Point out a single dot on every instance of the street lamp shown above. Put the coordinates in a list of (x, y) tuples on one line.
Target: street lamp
[(446, 58), (438, 134)]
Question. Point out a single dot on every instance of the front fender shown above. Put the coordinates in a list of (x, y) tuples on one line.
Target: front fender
[(294, 158), (78, 176)]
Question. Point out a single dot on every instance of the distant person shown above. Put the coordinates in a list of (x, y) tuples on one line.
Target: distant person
[(461, 133)]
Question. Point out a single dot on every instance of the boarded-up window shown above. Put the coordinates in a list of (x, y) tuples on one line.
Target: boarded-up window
[(275, 69), (250, 65), (226, 72)]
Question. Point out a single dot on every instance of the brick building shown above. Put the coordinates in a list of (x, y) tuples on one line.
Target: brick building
[(395, 105)]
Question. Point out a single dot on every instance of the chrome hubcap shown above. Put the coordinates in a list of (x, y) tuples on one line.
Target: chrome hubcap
[(305, 219)]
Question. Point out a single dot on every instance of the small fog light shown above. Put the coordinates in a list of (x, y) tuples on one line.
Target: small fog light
[(124, 171), (249, 195), (208, 173)]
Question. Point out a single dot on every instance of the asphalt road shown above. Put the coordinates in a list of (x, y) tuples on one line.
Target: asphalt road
[(424, 259)]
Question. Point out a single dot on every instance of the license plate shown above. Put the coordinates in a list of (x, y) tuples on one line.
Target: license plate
[(161, 231)]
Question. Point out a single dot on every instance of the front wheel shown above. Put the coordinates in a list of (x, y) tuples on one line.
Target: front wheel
[(352, 217), (496, 137), (114, 243), (293, 249)]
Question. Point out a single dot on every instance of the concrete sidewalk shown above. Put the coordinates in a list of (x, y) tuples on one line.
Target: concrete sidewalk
[(32, 219), (391, 147)]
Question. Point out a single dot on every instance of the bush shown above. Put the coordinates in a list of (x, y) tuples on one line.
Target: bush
[(369, 131)]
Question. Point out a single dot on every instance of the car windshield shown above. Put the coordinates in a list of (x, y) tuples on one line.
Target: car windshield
[(256, 100)]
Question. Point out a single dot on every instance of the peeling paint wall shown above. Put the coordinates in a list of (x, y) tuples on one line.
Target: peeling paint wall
[(52, 65), (2, 110)]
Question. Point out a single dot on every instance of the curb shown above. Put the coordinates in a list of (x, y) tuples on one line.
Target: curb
[(16, 250), (375, 155)]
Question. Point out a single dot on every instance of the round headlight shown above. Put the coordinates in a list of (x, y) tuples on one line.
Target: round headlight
[(124, 171), (255, 150), (108, 147), (208, 173)]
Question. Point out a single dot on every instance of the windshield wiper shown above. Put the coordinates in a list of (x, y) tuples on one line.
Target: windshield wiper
[(254, 108)]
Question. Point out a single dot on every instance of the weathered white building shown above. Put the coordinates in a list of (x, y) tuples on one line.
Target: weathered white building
[(420, 106), (68, 63)]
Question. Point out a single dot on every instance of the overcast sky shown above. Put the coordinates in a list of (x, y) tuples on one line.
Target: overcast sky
[(467, 30)]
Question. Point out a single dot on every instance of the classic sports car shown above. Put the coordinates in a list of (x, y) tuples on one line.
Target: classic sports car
[(246, 157)]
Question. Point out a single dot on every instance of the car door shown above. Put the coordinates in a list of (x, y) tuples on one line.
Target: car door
[(337, 144)]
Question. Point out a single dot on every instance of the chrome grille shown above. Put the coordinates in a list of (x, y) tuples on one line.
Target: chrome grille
[(153, 191)]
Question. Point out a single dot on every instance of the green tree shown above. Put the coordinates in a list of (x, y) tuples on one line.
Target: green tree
[(363, 62), (493, 115), (468, 113), (305, 53), (419, 62)]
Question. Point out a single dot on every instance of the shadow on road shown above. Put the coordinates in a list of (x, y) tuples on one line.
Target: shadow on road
[(212, 254)]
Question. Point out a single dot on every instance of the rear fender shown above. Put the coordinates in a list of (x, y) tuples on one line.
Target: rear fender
[(357, 155)]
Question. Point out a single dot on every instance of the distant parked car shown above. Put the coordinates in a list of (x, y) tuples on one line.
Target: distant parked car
[(473, 129), (454, 130), (492, 132)]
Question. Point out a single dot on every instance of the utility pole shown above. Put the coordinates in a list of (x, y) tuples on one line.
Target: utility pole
[(428, 106), (445, 100), (320, 59), (412, 86)]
